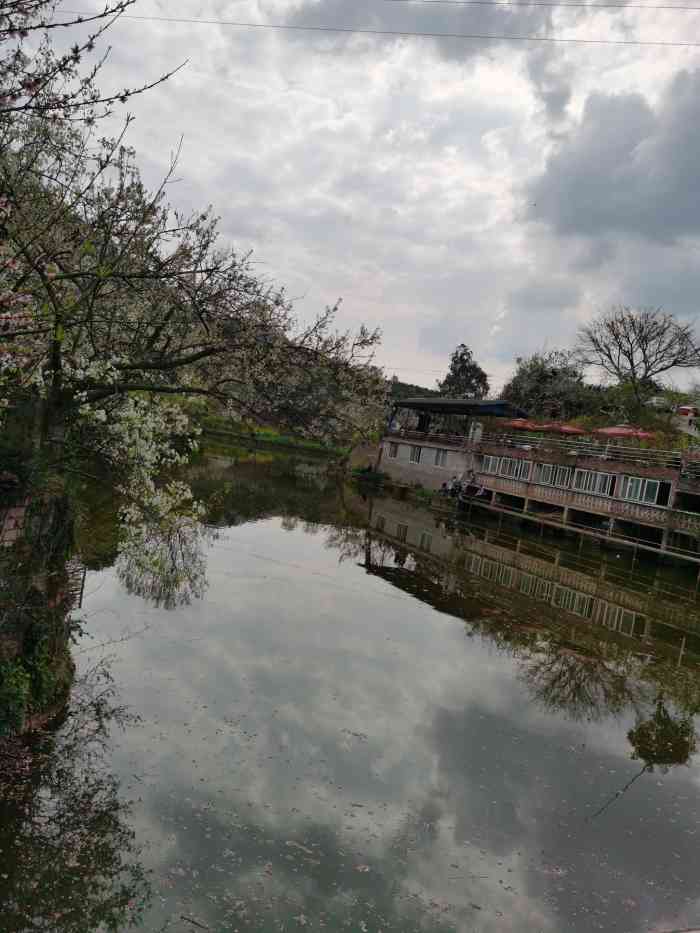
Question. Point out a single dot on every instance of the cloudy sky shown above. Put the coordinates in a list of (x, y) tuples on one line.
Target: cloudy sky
[(450, 190)]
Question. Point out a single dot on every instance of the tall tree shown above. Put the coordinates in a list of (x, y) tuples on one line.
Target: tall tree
[(550, 385), (465, 377), (635, 345)]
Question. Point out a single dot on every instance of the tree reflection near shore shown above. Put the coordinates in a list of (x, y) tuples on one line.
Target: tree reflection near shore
[(69, 859)]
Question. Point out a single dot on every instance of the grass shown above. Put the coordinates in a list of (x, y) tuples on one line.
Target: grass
[(264, 435)]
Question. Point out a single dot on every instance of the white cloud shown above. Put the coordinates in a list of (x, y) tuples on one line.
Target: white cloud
[(402, 174)]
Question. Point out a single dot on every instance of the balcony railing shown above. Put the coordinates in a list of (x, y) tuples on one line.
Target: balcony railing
[(686, 462), (430, 440), (589, 502)]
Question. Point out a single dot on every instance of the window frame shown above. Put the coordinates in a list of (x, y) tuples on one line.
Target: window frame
[(412, 456), (642, 484), (393, 451)]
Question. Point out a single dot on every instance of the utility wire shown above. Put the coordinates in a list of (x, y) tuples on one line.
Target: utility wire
[(553, 3), (400, 33)]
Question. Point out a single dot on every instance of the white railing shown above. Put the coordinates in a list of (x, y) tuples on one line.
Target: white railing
[(589, 502), (602, 450)]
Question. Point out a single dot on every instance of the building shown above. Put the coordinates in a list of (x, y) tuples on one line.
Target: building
[(643, 497)]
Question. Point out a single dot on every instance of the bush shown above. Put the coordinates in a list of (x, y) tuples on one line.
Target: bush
[(15, 685)]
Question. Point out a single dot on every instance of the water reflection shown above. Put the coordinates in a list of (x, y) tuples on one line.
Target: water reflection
[(69, 859), (584, 647), (375, 721)]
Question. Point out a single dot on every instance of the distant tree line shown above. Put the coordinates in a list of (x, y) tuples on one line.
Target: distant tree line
[(617, 364)]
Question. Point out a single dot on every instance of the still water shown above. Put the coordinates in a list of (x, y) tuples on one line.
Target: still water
[(369, 723)]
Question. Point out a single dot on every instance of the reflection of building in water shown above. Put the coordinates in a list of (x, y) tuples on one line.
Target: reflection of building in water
[(458, 555), (646, 497)]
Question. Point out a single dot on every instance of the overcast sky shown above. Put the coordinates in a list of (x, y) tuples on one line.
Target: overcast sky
[(449, 190)]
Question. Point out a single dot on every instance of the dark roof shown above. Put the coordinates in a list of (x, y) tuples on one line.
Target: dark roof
[(487, 408)]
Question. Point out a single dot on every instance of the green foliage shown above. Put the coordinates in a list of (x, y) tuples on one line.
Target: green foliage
[(550, 385), (465, 377), (255, 435), (663, 740), (15, 686), (399, 390)]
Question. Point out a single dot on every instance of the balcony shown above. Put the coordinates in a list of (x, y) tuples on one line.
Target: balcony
[(688, 522), (429, 440)]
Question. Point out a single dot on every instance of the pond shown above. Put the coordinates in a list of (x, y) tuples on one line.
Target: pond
[(372, 720)]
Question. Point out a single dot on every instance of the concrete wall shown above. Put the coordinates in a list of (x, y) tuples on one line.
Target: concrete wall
[(426, 473)]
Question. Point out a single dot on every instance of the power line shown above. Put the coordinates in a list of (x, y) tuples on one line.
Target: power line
[(400, 33), (553, 3)]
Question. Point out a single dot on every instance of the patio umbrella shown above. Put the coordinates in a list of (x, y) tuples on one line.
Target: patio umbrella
[(521, 424), (570, 429), (624, 431), (555, 427)]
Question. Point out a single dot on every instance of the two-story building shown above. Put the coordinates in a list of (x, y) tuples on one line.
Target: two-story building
[(646, 497)]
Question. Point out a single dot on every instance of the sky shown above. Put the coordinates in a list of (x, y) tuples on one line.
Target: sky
[(448, 190)]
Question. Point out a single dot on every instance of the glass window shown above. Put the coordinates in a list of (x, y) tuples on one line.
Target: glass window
[(651, 490), (441, 458), (631, 487), (627, 622), (401, 532), (490, 464), (426, 541), (562, 476), (414, 456), (544, 473), (592, 481), (393, 450), (380, 524)]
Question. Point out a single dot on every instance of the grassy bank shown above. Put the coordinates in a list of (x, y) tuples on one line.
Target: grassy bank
[(223, 431)]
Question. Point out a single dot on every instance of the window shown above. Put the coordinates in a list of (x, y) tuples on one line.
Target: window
[(548, 474), (544, 590), (393, 450), (527, 584), (414, 456), (651, 490), (637, 489), (627, 622), (517, 469), (441, 458), (380, 524), (401, 532), (490, 464), (590, 481), (426, 541)]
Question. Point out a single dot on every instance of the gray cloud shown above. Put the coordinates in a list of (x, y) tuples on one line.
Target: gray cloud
[(627, 168)]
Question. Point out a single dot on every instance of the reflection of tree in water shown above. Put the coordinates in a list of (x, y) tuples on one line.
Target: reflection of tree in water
[(583, 686), (70, 864), (164, 562), (662, 740)]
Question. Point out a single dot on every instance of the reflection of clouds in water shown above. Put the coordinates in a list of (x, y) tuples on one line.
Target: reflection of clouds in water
[(317, 712)]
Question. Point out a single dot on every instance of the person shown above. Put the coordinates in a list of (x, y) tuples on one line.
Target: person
[(444, 491)]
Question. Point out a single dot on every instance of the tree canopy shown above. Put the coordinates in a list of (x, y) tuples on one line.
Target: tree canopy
[(465, 377), (550, 385), (636, 345)]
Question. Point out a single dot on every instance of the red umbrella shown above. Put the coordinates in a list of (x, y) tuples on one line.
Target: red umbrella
[(624, 430), (521, 424), (556, 428)]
